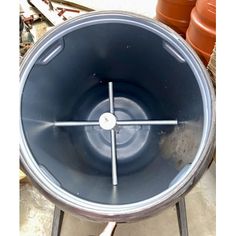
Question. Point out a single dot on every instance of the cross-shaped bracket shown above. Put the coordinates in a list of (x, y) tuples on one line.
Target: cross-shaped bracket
[(109, 121)]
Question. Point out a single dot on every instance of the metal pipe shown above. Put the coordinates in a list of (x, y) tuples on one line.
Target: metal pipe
[(113, 136), (76, 123), (113, 157), (147, 122), (182, 217), (57, 221), (111, 97)]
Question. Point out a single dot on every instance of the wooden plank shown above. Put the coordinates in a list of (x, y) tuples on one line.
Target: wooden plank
[(146, 8), (74, 4), (68, 14), (26, 9), (52, 16)]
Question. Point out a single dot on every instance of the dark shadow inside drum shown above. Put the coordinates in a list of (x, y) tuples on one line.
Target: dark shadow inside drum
[(69, 82)]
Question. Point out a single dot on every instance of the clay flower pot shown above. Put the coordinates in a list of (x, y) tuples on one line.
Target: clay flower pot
[(175, 14), (201, 33)]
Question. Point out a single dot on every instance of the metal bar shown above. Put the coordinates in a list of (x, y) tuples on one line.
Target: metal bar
[(113, 137), (76, 123), (109, 230), (57, 221), (182, 217), (68, 9), (147, 122), (113, 157), (111, 97), (121, 122)]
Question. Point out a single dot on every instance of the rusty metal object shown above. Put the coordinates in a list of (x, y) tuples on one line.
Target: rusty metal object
[(73, 4), (54, 14), (175, 14), (68, 9), (201, 33), (63, 10)]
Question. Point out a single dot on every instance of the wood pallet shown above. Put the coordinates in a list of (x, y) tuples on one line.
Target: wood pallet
[(212, 66)]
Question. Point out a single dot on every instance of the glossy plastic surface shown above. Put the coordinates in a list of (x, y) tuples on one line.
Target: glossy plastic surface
[(201, 33), (175, 14)]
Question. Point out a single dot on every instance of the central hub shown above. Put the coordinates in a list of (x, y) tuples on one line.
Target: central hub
[(107, 121)]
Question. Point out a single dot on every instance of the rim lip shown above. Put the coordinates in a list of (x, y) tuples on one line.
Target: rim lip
[(124, 212)]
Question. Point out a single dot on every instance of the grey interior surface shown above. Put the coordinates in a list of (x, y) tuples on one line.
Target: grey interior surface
[(69, 82)]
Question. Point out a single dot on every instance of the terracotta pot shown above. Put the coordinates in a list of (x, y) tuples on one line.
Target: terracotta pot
[(201, 33), (175, 14)]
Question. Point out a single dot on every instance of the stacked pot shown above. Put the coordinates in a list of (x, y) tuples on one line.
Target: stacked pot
[(193, 20)]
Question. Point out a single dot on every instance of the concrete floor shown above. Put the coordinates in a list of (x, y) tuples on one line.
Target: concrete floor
[(36, 215)]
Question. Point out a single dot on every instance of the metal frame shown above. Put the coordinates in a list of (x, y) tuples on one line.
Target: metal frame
[(57, 221), (180, 206), (182, 217), (112, 130), (180, 210)]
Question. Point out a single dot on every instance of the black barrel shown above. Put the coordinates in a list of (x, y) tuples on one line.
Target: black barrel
[(149, 74)]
